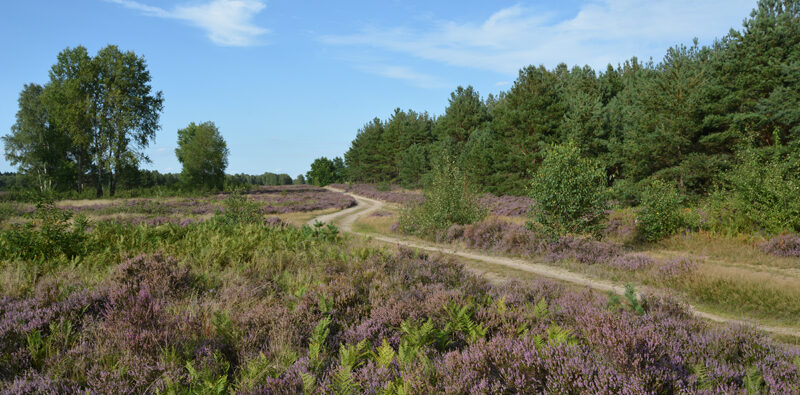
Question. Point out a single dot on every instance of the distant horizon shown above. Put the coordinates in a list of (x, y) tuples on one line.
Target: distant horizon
[(287, 84)]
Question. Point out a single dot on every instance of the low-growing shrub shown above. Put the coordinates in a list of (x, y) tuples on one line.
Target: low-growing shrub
[(659, 213), (448, 200), (760, 193), (570, 192), (48, 235)]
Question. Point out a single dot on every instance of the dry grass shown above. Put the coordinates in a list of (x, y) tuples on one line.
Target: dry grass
[(300, 218), (735, 251)]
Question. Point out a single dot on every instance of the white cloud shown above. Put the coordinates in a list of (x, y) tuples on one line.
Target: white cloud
[(601, 32), (227, 22), (421, 80)]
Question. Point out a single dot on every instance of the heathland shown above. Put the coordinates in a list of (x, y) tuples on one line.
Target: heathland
[(633, 230)]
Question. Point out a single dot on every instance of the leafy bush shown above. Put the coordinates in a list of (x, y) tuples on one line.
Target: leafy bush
[(570, 192), (47, 235), (448, 200), (762, 194), (659, 211), (239, 210)]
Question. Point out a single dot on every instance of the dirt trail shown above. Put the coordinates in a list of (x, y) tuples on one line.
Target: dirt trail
[(364, 206)]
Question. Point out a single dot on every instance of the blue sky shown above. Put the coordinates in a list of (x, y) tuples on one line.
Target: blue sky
[(289, 81)]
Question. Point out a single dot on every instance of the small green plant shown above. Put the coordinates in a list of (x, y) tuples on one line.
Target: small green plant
[(49, 234), (760, 193), (384, 355), (659, 211), (460, 321), (614, 302), (701, 372), (350, 357), (570, 192), (633, 299), (316, 344), (541, 310), (238, 210), (449, 200), (753, 381)]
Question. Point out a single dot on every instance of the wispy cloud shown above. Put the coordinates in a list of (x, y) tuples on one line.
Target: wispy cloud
[(227, 22), (404, 73), (601, 32)]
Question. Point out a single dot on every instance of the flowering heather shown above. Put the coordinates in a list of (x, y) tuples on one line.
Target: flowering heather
[(787, 244), (631, 262), (249, 309), (677, 267), (506, 205), (271, 199)]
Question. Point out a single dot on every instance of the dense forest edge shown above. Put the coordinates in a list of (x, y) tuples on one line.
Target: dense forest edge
[(720, 124)]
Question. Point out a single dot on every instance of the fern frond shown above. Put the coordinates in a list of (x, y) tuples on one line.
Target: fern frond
[(541, 310), (309, 382), (753, 381), (703, 383), (385, 354), (343, 383)]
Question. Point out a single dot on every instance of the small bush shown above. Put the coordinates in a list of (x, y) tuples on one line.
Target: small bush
[(659, 212), (760, 194), (239, 210), (570, 192), (448, 200), (48, 235)]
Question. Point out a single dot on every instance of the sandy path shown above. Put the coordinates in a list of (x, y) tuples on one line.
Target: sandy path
[(364, 206)]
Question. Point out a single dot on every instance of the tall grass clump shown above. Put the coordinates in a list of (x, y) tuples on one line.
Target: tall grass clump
[(659, 211), (449, 200), (570, 192)]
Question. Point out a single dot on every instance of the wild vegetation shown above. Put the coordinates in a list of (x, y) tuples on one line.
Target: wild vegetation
[(232, 305), (719, 124), (678, 179)]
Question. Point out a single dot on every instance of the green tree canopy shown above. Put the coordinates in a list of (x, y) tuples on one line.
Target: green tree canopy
[(204, 155)]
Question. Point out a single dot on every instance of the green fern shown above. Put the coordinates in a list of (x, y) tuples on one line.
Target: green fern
[(538, 341), (461, 322), (352, 356), (317, 342), (703, 382), (343, 383), (753, 381), (557, 335), (500, 304), (325, 303), (398, 386), (541, 310), (385, 354), (309, 383)]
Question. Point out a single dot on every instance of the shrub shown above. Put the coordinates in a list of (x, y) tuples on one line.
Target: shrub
[(659, 212), (763, 193), (570, 192), (448, 200), (239, 210), (48, 235)]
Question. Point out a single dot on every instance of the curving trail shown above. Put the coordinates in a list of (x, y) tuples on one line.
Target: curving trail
[(364, 206)]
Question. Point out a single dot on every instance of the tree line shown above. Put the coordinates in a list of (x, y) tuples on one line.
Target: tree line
[(87, 126), (686, 120)]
